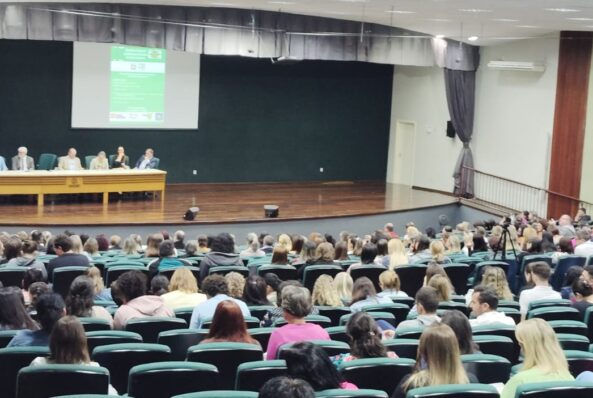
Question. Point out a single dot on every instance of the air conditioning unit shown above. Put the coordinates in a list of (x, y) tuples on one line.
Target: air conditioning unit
[(517, 66)]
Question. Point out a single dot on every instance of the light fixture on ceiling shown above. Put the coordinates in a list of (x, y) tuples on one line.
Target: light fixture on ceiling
[(473, 38), (439, 37), (400, 12), (582, 19), (505, 20), (562, 9), (474, 10), (284, 3)]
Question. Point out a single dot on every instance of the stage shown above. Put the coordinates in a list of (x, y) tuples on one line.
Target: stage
[(222, 204)]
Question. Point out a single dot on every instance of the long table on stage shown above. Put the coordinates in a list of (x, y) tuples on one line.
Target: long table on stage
[(41, 182)]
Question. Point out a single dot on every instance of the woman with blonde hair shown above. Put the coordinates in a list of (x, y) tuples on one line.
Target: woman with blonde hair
[(344, 284), (437, 250), (453, 245), (131, 247), (91, 247), (443, 287), (183, 290), (529, 234), (496, 278), (152, 245), (236, 284), (390, 285), (325, 293), (544, 359), (285, 241), (512, 242), (397, 254), (438, 362)]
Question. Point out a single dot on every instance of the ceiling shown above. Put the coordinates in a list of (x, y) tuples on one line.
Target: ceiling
[(493, 21)]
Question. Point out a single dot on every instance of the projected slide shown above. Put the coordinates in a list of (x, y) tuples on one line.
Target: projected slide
[(137, 84), (129, 87)]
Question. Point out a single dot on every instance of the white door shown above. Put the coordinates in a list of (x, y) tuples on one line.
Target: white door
[(402, 164)]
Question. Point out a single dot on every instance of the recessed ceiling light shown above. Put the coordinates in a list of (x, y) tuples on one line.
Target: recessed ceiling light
[(580, 19), (438, 19), (474, 10), (281, 2), (473, 38), (562, 9), (440, 36), (528, 26), (505, 20), (400, 12)]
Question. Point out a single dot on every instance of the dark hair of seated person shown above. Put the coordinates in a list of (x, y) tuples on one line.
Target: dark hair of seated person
[(159, 285), (79, 301), (286, 387), (457, 321), (130, 285), (255, 291), (13, 314), (50, 308), (228, 324), (279, 255), (31, 276), (311, 363), (222, 243), (368, 254), (362, 289), (364, 337), (214, 285), (341, 251)]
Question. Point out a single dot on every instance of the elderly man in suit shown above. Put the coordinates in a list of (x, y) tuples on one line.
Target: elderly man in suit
[(70, 161), (21, 161), (147, 161)]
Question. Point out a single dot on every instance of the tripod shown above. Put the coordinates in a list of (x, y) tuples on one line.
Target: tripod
[(502, 244)]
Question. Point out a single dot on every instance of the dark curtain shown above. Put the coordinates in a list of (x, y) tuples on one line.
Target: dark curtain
[(460, 88)]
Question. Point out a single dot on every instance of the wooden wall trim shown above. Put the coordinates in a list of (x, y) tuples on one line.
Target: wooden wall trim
[(570, 114)]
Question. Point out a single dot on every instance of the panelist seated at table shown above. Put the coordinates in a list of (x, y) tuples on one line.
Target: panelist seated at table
[(147, 161), (70, 161), (120, 160), (100, 162), (21, 161), (3, 164)]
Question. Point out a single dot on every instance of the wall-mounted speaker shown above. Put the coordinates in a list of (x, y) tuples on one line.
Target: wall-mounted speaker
[(450, 130)]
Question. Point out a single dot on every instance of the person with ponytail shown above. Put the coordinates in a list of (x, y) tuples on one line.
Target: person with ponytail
[(364, 338), (80, 301)]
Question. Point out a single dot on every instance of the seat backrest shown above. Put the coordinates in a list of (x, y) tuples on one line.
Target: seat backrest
[(404, 348), (120, 358), (589, 322), (411, 278), (497, 345), (480, 266), (53, 380), (409, 332), (574, 327), (455, 391), (250, 322), (94, 324), (320, 320), (360, 393), (114, 271), (312, 272), (487, 368), (106, 337), (564, 263), (150, 327), (331, 347), (225, 269), (87, 161), (555, 314), (219, 394), (377, 373), (166, 379), (284, 272), (547, 303), (452, 305), (377, 315), (179, 341), (458, 274), (184, 313), (555, 389), (262, 335), (226, 357), (570, 341), (334, 313), (259, 311), (251, 376), (63, 277), (47, 161), (371, 271), (399, 311), (579, 361), (6, 336), (13, 359), (12, 276), (338, 333)]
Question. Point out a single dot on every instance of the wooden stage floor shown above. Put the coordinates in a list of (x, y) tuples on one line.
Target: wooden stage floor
[(225, 203)]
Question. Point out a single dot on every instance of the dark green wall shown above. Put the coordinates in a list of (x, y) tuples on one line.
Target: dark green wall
[(258, 121)]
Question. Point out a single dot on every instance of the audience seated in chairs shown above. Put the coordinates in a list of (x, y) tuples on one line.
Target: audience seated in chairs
[(583, 291), (484, 305), (544, 359), (130, 289), (324, 254), (296, 305), (68, 346), (364, 338), (344, 285), (539, 274), (80, 300), (427, 302), (101, 292), (310, 362), (390, 285), (66, 257), (439, 362), (183, 290), (286, 387), (460, 325), (495, 278), (217, 290), (367, 256), (222, 253), (397, 254), (253, 249), (236, 283), (364, 293), (255, 291), (159, 285), (23, 254), (50, 308), (167, 259), (228, 325)]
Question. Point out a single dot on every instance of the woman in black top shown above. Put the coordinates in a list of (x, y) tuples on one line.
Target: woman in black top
[(121, 160)]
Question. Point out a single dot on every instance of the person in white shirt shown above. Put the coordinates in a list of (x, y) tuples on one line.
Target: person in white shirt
[(584, 244), (538, 274), (70, 161), (484, 305)]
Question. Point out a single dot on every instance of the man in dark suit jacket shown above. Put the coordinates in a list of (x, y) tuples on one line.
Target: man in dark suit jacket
[(21, 161), (147, 161), (63, 248)]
